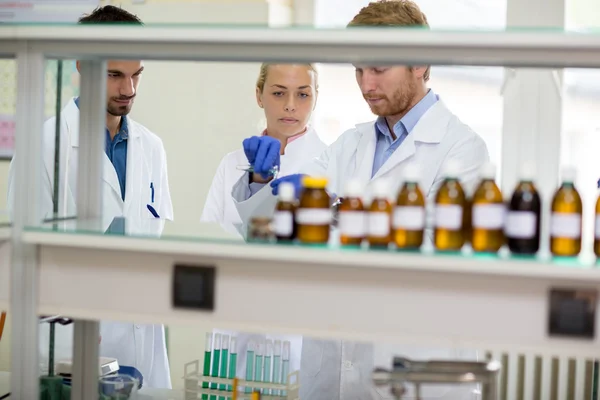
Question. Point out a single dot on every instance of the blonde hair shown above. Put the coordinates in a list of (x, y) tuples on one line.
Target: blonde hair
[(264, 70), (392, 13)]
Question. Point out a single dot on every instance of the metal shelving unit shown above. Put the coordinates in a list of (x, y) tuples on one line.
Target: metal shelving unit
[(476, 303)]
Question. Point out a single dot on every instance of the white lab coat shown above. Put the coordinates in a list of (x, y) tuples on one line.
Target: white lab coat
[(333, 370), (140, 346), (220, 206)]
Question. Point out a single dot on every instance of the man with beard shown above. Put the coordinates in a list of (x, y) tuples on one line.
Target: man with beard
[(135, 191), (413, 126)]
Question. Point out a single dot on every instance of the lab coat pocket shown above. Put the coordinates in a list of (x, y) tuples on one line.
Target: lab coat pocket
[(312, 358)]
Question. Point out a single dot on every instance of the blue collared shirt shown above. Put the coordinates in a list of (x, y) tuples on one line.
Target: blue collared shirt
[(116, 151), (386, 145)]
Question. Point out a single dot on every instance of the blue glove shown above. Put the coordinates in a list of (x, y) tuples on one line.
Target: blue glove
[(262, 153), (295, 180)]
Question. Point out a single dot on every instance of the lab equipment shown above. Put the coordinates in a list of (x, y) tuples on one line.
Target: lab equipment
[(408, 221), (284, 219), (314, 215), (249, 168), (565, 223), (216, 358), (449, 206), (276, 365), (379, 223), (285, 364), (522, 228), (207, 357), (263, 153), (268, 359), (232, 360), (436, 372), (224, 361), (118, 387), (250, 364), (488, 213), (260, 229), (258, 362), (351, 215)]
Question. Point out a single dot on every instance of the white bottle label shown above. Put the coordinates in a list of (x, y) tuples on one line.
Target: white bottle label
[(379, 224), (488, 216), (448, 216), (521, 224), (567, 225), (313, 216), (411, 218), (352, 223), (597, 226), (283, 223)]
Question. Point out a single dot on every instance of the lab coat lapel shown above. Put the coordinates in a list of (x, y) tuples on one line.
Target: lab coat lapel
[(135, 166), (365, 151)]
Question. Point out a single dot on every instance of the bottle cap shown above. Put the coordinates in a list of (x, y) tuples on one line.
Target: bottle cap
[(527, 172), (451, 169), (412, 173), (568, 174), (353, 188), (287, 192), (488, 171), (381, 188), (314, 182)]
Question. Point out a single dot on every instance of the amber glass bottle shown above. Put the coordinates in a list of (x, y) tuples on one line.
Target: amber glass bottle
[(565, 223), (522, 228), (379, 216), (488, 213), (352, 217), (597, 229), (313, 215), (449, 208), (409, 214), (284, 219)]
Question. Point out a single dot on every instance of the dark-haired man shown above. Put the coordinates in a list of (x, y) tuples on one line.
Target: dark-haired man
[(135, 187)]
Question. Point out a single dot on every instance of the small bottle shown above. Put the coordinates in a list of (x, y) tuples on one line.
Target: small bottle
[(487, 213), (565, 223), (449, 207), (313, 215), (597, 229), (409, 214), (352, 216), (284, 224), (522, 228), (379, 216)]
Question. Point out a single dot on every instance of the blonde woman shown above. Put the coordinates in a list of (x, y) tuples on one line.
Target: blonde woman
[(287, 93)]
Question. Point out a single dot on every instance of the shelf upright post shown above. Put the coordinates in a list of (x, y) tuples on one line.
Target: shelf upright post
[(92, 122), (27, 164)]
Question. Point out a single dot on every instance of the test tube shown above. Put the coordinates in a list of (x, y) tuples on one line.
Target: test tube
[(250, 365), (232, 360), (277, 365), (258, 361), (206, 367), (285, 365), (224, 360), (268, 358), (215, 362)]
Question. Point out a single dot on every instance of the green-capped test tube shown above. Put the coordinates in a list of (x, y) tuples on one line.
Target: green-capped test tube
[(268, 358), (250, 365), (206, 366), (285, 365), (224, 360), (258, 362), (215, 362), (277, 365), (232, 361)]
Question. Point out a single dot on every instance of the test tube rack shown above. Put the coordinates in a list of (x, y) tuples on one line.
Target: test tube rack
[(193, 379)]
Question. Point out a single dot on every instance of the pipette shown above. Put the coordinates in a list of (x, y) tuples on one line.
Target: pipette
[(250, 168)]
